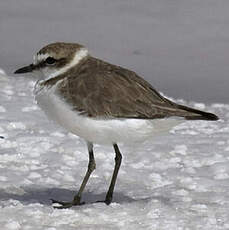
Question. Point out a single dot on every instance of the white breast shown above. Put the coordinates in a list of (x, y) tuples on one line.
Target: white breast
[(98, 130)]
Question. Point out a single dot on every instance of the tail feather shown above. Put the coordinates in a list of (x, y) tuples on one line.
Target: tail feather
[(195, 114)]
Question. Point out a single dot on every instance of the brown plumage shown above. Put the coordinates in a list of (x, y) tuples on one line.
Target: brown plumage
[(99, 89)]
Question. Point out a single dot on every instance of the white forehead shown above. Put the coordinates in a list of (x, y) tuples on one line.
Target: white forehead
[(37, 58), (53, 72)]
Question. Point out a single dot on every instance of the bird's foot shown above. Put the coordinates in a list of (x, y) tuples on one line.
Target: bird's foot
[(106, 201), (63, 205)]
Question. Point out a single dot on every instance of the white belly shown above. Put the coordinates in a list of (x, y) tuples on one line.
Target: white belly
[(97, 130)]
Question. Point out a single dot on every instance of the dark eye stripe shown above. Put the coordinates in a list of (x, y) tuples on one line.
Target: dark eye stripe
[(50, 60)]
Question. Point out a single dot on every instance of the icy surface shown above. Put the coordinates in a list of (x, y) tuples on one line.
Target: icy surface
[(177, 181)]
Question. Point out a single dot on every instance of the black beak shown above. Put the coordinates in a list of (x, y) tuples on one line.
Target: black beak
[(26, 69)]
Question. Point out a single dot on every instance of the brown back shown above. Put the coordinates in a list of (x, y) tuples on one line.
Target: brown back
[(98, 89)]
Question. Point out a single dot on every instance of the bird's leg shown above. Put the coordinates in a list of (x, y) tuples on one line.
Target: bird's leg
[(77, 197), (118, 160), (91, 168)]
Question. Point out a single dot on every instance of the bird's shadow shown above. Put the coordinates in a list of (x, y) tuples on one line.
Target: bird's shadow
[(44, 196)]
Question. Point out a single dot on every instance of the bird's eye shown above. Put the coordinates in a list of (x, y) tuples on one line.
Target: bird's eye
[(50, 61)]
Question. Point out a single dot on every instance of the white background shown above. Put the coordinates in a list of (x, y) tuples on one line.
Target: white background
[(180, 46), (177, 181)]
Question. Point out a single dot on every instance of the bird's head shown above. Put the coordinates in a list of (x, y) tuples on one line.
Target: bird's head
[(55, 59)]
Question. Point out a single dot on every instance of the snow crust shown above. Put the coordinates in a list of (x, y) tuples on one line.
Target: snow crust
[(176, 181)]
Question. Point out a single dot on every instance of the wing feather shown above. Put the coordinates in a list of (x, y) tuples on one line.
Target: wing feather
[(99, 89)]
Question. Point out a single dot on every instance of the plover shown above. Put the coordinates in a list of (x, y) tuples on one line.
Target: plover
[(101, 103)]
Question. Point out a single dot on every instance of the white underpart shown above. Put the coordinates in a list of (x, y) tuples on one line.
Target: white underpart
[(51, 72), (100, 131)]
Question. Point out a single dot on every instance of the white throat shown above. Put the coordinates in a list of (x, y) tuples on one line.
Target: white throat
[(51, 73)]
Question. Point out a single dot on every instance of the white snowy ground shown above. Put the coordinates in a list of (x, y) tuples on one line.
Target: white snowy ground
[(177, 181)]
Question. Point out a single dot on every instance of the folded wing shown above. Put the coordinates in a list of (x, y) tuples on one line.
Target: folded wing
[(110, 91)]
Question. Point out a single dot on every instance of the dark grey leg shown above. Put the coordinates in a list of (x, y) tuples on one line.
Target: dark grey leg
[(118, 160), (91, 168), (77, 197)]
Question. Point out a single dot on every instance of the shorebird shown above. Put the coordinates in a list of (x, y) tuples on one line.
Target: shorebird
[(101, 103)]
